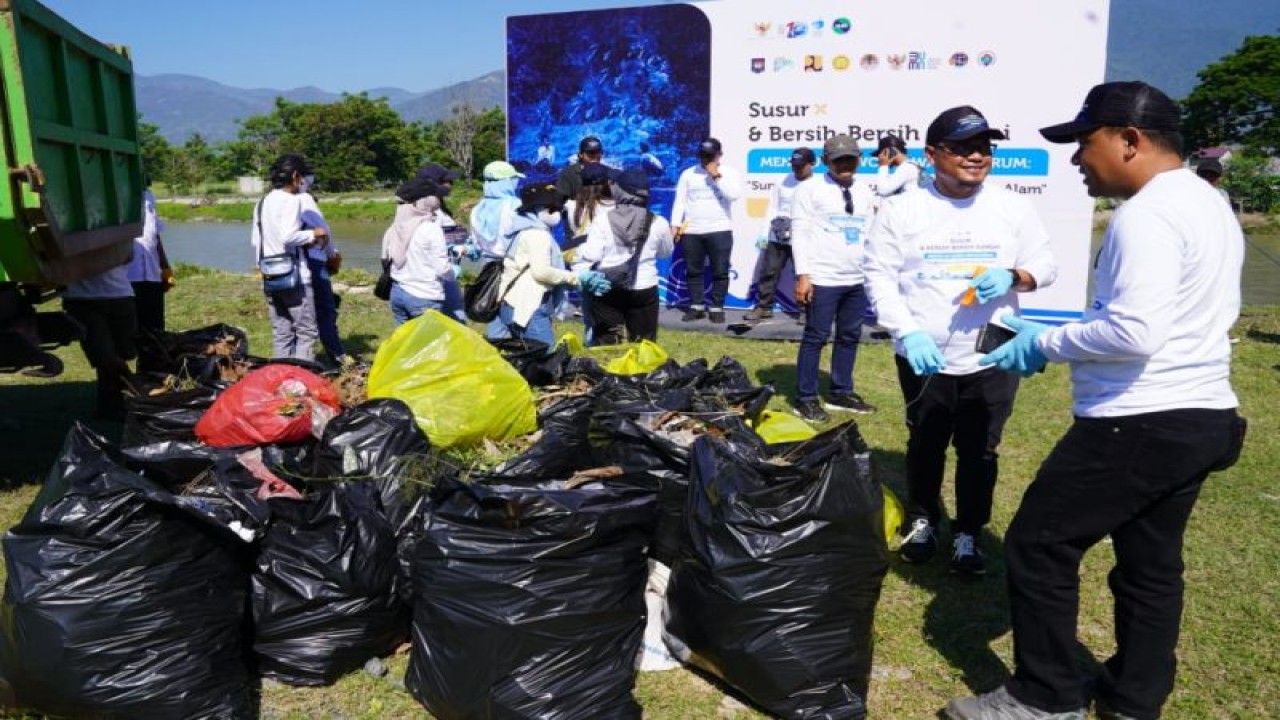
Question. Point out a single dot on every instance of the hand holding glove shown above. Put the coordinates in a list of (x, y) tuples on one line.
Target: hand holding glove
[(992, 284), (762, 242), (1020, 355), (922, 353), (593, 282), (166, 277)]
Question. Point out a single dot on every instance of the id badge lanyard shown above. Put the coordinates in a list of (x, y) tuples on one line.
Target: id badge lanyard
[(850, 225)]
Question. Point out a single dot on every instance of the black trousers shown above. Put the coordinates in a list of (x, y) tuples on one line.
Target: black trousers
[(149, 300), (109, 343), (715, 247), (635, 311), (967, 412), (1135, 478), (776, 257)]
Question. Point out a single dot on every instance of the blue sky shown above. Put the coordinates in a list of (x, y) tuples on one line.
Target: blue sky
[(346, 46)]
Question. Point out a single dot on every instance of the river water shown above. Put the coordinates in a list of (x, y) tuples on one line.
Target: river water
[(226, 246)]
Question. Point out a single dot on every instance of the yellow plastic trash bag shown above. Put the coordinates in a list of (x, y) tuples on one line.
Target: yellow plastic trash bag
[(628, 359), (781, 427), (893, 514), (459, 387)]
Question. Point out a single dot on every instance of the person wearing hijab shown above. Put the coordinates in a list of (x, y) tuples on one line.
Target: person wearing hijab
[(534, 276), (491, 221), (416, 247), (625, 247)]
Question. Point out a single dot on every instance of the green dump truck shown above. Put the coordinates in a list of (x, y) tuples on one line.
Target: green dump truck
[(72, 203)]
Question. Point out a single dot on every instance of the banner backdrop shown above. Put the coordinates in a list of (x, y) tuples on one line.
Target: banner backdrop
[(765, 78)]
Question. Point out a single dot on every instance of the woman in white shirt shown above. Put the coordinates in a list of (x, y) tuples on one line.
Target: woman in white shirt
[(625, 247), (419, 256), (897, 173)]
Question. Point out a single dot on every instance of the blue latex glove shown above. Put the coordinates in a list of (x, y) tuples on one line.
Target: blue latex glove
[(473, 251), (923, 353), (1020, 355), (992, 284), (762, 242), (593, 282)]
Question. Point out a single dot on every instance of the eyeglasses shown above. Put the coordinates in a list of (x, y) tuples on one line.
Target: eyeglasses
[(965, 149)]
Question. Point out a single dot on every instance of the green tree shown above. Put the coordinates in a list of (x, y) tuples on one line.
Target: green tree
[(1251, 184), (190, 165), (156, 151), (353, 144), (1237, 98)]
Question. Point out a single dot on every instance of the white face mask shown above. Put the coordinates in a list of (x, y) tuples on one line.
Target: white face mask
[(304, 185), (550, 219)]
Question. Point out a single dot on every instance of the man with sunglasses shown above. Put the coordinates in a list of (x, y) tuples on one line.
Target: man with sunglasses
[(941, 263), (829, 217)]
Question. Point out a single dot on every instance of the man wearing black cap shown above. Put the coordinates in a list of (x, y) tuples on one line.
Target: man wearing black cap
[(776, 243), (940, 263), (590, 151), (896, 172), (702, 215), (1210, 170), (1154, 415), (830, 215)]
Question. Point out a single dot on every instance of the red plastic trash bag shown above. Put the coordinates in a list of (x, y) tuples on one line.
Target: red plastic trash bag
[(273, 404)]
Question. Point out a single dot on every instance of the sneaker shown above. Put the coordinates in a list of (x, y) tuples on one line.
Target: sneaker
[(811, 411), (717, 316), (920, 544), (1000, 705), (852, 402), (693, 314), (757, 314), (966, 557)]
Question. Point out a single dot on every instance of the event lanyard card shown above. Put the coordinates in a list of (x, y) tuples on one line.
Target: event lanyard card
[(851, 226)]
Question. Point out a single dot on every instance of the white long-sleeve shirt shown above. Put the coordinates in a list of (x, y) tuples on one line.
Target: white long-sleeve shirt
[(313, 218), (145, 265), (602, 250), (706, 204), (781, 202), (1166, 293), (426, 262), (925, 247), (826, 242), (280, 216), (904, 178)]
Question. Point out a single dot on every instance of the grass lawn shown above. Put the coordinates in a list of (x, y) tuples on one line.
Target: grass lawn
[(936, 637)]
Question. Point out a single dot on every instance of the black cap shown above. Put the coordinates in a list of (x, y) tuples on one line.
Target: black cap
[(437, 173), (960, 123), (416, 188), (594, 174), (633, 180), (708, 147), (891, 142), (802, 155), (590, 145), (840, 146), (540, 194), (1119, 104), (1209, 166)]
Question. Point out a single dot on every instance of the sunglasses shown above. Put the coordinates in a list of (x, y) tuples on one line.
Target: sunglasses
[(965, 149)]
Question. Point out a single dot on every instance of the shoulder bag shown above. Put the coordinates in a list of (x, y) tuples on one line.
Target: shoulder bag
[(280, 273)]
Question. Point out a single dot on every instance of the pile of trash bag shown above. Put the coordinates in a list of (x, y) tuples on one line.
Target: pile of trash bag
[(207, 354)]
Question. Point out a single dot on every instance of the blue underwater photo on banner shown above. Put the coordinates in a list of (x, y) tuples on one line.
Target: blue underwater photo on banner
[(639, 79)]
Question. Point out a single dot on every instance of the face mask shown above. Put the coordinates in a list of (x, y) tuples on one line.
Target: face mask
[(304, 185), (550, 219)]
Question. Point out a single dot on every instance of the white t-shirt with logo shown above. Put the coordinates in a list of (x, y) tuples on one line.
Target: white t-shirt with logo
[(925, 248), (827, 242)]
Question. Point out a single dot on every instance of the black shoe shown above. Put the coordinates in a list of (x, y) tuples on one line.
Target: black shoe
[(920, 544), (966, 557), (757, 314), (812, 411), (852, 402), (693, 314), (717, 316), (1104, 711)]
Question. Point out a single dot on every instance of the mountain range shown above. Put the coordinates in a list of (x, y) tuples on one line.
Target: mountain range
[(1165, 42)]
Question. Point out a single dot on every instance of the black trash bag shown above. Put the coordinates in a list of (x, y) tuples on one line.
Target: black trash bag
[(324, 586), (776, 587), (536, 363), (530, 600), (563, 448), (167, 416), (122, 599), (201, 354), (379, 441), (210, 481)]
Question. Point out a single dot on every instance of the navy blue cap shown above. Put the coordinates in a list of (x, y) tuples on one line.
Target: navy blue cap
[(960, 123)]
